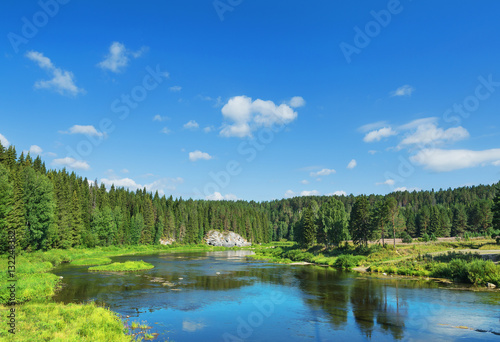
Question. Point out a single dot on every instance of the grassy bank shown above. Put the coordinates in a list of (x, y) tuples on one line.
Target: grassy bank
[(38, 318), (127, 266), (422, 260)]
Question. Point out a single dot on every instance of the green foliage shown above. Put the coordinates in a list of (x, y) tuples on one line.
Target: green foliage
[(127, 266), (65, 322), (406, 238), (91, 262), (360, 226), (347, 261)]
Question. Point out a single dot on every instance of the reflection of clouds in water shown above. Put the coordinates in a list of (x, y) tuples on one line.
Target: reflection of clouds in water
[(192, 326)]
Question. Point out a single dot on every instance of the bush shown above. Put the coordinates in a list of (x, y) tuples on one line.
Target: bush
[(347, 261), (433, 238), (406, 238), (425, 238)]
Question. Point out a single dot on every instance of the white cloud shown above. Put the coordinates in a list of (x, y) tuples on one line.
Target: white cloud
[(125, 171), (496, 163), (217, 101), (118, 57), (404, 188), (448, 160), (4, 141), (192, 124), (418, 122), (208, 129), (165, 130), (377, 135), (405, 90), (352, 164), (323, 172), (72, 163), (387, 182), (62, 81), (217, 196), (338, 193), (289, 194), (196, 155), (160, 118), (51, 154), (160, 185), (372, 152), (192, 326), (429, 133), (35, 149), (372, 126), (297, 101), (309, 193), (245, 116), (80, 129), (305, 181), (175, 88)]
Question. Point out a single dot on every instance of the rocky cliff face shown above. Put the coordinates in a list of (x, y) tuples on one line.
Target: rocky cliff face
[(225, 239)]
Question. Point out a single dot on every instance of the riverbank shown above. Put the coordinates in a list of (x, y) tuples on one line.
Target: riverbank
[(38, 318), (473, 262)]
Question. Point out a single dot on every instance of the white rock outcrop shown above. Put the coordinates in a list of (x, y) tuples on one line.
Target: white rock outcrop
[(225, 239)]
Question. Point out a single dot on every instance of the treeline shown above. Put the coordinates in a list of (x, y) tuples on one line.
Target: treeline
[(56, 209), (465, 211)]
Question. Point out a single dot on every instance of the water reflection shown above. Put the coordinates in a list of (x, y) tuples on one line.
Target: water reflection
[(200, 295)]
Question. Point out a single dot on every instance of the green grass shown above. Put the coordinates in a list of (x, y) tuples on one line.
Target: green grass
[(63, 322), (127, 266), (91, 262)]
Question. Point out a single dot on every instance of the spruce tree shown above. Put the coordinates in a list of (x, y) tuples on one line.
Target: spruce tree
[(359, 224)]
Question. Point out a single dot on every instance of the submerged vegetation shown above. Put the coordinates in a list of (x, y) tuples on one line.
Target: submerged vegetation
[(127, 266)]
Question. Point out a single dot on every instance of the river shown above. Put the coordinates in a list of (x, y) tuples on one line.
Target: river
[(225, 296)]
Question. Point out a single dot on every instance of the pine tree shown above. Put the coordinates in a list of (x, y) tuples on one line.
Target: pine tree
[(308, 227), (5, 207), (459, 224), (359, 224), (496, 209)]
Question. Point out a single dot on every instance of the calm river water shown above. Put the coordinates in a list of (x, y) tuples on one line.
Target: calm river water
[(224, 296)]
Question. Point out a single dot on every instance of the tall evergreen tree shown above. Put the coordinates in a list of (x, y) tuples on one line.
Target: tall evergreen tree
[(359, 224)]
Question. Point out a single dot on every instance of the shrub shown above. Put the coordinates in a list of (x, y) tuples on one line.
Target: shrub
[(425, 238), (406, 238), (347, 261)]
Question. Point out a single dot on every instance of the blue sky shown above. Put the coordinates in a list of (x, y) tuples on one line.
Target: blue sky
[(255, 100)]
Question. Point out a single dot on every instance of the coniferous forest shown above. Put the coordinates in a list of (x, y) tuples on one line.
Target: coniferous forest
[(51, 209)]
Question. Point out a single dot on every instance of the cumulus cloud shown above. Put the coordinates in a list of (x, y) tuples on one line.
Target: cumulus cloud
[(35, 149), (165, 130), (338, 193), (244, 116), (62, 81), (161, 185), (352, 164), (4, 141), (125, 171), (372, 126), (217, 196), (208, 129), (387, 182), (428, 133), (71, 163), (175, 88), (323, 172), (118, 57), (196, 155), (192, 124), (297, 101), (304, 181), (377, 135), (405, 90), (310, 193), (404, 188), (440, 160), (81, 129)]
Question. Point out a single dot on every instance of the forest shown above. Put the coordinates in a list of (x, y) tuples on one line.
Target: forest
[(55, 209)]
